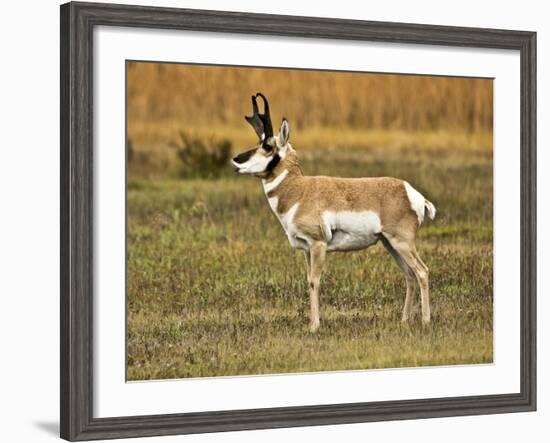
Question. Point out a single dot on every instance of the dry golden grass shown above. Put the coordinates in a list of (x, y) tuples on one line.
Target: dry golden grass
[(198, 95), (327, 110)]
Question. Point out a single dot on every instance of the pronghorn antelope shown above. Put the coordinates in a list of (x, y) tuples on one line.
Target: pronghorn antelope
[(323, 214)]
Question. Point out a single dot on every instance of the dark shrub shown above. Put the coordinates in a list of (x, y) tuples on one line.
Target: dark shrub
[(199, 157)]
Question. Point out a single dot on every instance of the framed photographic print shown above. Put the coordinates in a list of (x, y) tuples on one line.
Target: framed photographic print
[(361, 246)]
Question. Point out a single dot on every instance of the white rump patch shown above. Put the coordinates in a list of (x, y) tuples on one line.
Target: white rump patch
[(350, 230), (419, 203), (272, 185)]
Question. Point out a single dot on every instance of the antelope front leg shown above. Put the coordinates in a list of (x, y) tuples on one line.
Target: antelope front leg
[(317, 261), (308, 264)]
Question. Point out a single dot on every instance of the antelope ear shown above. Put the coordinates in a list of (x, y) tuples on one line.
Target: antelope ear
[(284, 133)]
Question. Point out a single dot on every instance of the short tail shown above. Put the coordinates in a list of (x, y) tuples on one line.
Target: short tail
[(419, 203), (430, 208)]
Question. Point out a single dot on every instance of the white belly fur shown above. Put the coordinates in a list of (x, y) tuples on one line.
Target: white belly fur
[(344, 231), (350, 230)]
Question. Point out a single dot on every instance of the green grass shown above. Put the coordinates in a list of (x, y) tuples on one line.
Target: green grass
[(214, 288)]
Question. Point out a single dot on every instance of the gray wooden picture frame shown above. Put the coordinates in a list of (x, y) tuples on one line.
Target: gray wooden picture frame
[(77, 24)]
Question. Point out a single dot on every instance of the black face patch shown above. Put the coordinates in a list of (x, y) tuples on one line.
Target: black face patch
[(267, 147), (273, 163), (244, 156)]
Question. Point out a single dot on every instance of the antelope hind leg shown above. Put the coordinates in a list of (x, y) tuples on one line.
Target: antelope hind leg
[(407, 251), (409, 278)]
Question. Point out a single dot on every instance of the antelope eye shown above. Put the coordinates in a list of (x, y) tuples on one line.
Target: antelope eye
[(267, 147)]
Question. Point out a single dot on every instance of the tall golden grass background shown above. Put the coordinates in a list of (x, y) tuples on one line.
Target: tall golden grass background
[(328, 109)]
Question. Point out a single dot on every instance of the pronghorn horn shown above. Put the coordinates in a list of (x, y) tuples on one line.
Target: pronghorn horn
[(260, 122), (255, 109), (266, 117), (255, 120)]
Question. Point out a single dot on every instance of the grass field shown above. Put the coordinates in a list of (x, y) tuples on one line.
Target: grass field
[(214, 288)]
